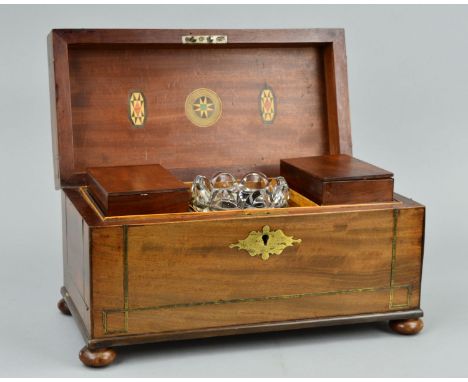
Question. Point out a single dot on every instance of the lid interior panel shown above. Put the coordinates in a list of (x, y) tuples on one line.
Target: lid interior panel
[(96, 73), (102, 79)]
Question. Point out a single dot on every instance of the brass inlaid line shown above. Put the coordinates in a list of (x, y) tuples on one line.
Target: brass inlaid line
[(112, 332), (104, 322), (394, 243), (410, 294), (106, 327), (392, 267), (393, 286), (125, 275), (87, 198), (409, 290), (126, 309), (251, 299)]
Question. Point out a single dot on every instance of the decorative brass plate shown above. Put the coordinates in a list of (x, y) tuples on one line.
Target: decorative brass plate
[(203, 107), (206, 39), (266, 243)]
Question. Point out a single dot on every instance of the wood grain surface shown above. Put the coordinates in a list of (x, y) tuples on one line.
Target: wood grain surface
[(90, 106), (337, 168), (184, 276), (76, 261), (133, 190), (338, 179), (142, 278)]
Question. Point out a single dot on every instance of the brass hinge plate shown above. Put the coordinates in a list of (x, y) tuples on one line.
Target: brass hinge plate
[(206, 39)]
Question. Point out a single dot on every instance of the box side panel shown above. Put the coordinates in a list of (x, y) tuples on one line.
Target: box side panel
[(76, 262), (107, 264), (407, 258), (165, 278)]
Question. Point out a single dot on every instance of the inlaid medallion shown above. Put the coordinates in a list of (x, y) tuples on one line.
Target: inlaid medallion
[(267, 105), (203, 107), (137, 109)]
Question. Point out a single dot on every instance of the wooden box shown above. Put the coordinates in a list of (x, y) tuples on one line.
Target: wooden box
[(196, 102), (338, 179), (135, 190)]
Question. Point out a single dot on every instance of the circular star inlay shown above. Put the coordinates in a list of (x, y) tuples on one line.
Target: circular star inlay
[(203, 107)]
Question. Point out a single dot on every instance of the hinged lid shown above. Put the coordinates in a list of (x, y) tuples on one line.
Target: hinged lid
[(234, 100)]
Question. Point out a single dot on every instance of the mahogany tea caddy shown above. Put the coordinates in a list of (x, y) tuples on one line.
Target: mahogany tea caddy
[(196, 102)]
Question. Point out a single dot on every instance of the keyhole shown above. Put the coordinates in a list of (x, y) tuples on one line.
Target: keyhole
[(265, 239)]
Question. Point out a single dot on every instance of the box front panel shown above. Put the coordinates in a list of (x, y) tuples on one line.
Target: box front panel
[(195, 275)]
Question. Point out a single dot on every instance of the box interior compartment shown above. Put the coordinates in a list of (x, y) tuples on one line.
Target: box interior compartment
[(296, 200)]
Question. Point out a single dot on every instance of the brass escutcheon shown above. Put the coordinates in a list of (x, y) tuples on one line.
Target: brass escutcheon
[(265, 243)]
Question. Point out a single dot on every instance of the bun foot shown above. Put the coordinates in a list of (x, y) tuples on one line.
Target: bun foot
[(409, 326), (97, 357), (63, 307)]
